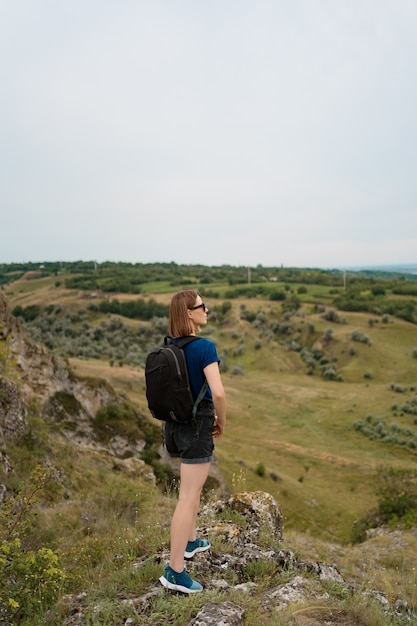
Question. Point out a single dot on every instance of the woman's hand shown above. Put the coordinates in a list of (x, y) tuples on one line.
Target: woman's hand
[(217, 428)]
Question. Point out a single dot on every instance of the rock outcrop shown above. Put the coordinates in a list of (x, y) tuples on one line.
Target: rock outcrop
[(227, 572), (13, 411), (28, 372)]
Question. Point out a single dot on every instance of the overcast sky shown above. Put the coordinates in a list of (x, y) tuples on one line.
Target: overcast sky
[(243, 132)]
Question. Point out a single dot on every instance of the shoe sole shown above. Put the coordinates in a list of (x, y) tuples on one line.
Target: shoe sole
[(175, 587), (188, 555)]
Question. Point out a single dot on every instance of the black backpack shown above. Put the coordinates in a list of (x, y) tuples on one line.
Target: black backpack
[(167, 384)]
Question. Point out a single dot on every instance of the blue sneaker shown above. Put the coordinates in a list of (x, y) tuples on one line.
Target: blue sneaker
[(179, 581), (198, 545)]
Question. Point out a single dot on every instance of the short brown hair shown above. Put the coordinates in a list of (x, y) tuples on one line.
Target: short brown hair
[(180, 324)]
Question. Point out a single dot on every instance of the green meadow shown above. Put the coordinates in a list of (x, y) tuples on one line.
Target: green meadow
[(321, 399), (288, 432)]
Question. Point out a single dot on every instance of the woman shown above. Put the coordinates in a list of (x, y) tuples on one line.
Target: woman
[(192, 442)]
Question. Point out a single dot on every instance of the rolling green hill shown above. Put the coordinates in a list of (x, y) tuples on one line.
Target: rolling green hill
[(299, 427), (320, 380)]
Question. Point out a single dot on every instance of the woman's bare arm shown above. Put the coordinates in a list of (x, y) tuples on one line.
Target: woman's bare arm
[(212, 374)]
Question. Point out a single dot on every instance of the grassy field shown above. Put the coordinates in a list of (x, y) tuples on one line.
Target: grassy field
[(288, 433), (299, 428)]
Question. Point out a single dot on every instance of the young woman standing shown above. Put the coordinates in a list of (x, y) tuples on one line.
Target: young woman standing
[(193, 442)]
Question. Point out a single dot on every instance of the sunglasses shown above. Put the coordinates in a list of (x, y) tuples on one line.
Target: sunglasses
[(199, 306)]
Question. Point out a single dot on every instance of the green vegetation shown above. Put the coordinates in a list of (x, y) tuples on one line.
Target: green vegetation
[(397, 502), (31, 577), (397, 491), (314, 419), (376, 429)]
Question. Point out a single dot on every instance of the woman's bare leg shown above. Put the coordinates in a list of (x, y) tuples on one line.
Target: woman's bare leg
[(192, 477)]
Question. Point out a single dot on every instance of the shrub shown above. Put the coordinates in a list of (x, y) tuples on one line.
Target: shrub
[(226, 306), (239, 351), (397, 388), (116, 413), (260, 319), (397, 491), (29, 313), (332, 316), (208, 330), (31, 579), (329, 372), (291, 304), (260, 469), (360, 337), (376, 430), (285, 328), (277, 296), (224, 363), (328, 334), (247, 315), (17, 311)]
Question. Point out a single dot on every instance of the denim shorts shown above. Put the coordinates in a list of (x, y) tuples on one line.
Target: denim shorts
[(192, 442)]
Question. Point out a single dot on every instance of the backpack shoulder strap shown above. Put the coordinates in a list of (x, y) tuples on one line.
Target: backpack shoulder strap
[(180, 343), (200, 397)]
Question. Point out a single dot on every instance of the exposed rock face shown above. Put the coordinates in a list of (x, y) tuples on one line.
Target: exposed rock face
[(7, 321), (13, 411), (68, 401), (38, 370)]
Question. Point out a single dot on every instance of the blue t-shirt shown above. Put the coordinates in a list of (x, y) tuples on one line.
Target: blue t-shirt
[(198, 355)]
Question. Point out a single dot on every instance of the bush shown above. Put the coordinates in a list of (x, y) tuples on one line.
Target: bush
[(397, 388), (397, 491), (247, 315), (30, 579), (115, 412), (292, 304), (377, 430), (332, 316), (328, 334), (360, 337), (277, 296), (260, 469), (29, 313)]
